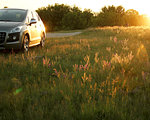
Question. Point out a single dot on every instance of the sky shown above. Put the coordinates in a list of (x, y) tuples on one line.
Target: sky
[(142, 6)]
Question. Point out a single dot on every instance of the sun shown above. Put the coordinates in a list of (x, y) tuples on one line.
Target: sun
[(143, 9)]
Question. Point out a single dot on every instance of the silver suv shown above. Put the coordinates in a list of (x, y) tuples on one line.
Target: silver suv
[(20, 29)]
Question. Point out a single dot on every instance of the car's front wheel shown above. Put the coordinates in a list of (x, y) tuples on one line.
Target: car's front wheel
[(25, 44)]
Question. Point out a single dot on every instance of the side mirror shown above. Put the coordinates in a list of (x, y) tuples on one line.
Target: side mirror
[(33, 21)]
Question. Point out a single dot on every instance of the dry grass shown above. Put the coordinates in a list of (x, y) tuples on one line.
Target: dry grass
[(101, 74)]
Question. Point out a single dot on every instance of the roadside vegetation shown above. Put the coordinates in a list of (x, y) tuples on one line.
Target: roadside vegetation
[(101, 74), (63, 17)]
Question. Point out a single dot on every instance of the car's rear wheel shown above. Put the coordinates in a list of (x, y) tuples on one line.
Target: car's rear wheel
[(42, 43), (25, 44)]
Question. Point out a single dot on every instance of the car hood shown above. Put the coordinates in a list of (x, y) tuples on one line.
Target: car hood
[(5, 26)]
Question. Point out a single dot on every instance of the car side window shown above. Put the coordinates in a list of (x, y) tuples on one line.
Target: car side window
[(35, 16), (32, 15), (29, 17)]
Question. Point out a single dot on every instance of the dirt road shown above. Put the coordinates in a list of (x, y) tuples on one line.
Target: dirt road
[(56, 35)]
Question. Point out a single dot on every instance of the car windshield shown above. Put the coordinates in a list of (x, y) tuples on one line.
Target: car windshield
[(12, 15)]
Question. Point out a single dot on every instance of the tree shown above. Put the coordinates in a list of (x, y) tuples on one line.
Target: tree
[(120, 13), (132, 17), (76, 19), (57, 17), (52, 15), (61, 17), (88, 16), (111, 16)]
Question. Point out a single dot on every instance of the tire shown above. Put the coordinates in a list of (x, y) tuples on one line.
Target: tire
[(42, 42), (25, 46)]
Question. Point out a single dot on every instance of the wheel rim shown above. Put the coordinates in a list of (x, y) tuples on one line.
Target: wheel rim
[(26, 43)]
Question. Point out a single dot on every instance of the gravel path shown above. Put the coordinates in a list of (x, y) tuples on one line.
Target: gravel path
[(56, 35)]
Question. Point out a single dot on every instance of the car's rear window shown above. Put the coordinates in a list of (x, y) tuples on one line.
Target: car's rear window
[(12, 15)]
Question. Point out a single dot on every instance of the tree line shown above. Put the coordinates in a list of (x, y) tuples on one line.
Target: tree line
[(64, 17)]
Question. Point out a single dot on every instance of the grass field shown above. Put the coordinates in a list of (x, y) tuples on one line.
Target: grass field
[(101, 74)]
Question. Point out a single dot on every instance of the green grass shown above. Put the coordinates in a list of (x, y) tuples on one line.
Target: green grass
[(101, 74)]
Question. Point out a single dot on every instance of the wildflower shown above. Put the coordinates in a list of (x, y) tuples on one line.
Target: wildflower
[(44, 61), (49, 65), (75, 67), (124, 44), (106, 64), (56, 73), (114, 92), (80, 41), (85, 66), (87, 59), (84, 78), (119, 59), (96, 57), (108, 49), (124, 83), (89, 78), (101, 90), (118, 31), (81, 67), (89, 47), (130, 56), (115, 39), (111, 38)]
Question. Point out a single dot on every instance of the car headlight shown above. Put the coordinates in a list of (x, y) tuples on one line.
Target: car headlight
[(16, 29)]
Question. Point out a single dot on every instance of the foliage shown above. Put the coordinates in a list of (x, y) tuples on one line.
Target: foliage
[(64, 17), (76, 19), (111, 16), (52, 15), (102, 74), (60, 17)]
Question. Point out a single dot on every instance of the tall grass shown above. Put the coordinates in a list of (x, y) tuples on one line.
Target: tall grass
[(101, 74)]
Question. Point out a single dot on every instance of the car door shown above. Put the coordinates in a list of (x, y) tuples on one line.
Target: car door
[(34, 35), (37, 28), (31, 28)]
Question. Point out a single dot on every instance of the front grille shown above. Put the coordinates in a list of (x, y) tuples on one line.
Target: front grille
[(2, 37)]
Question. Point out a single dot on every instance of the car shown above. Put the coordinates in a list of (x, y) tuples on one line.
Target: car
[(21, 29)]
